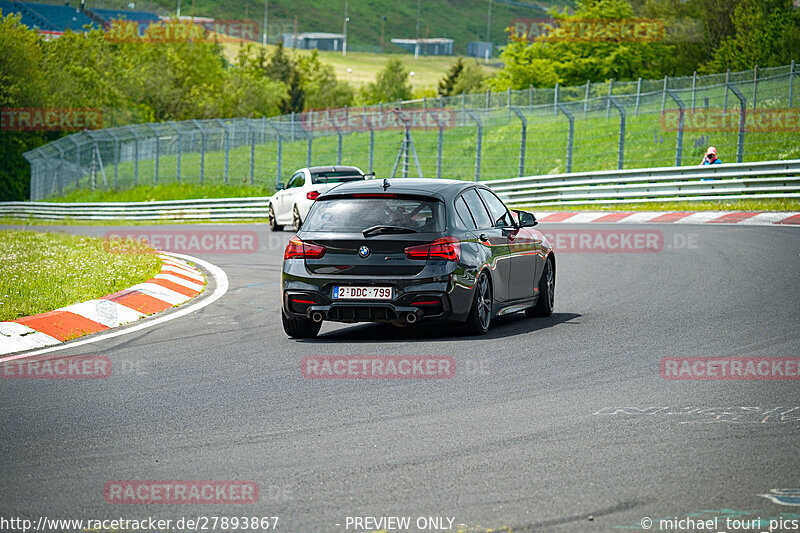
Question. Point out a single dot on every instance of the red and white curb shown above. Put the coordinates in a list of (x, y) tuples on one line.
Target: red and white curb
[(177, 283), (749, 218)]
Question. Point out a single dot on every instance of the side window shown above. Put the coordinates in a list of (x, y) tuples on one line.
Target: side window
[(500, 215), (463, 213), (477, 209), (298, 180)]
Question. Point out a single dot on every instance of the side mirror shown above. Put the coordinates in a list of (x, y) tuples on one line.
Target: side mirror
[(369, 175), (280, 186), (526, 220)]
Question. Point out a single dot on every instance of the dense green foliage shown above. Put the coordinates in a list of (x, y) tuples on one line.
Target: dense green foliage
[(701, 35), (133, 82)]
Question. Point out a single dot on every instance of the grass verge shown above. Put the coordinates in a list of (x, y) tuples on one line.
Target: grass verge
[(167, 191), (44, 271)]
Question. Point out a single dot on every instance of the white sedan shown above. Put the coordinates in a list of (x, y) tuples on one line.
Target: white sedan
[(290, 204)]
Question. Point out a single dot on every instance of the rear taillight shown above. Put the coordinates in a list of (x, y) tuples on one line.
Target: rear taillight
[(297, 249), (312, 195), (447, 248)]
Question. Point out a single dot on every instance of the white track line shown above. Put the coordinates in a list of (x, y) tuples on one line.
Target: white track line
[(220, 279)]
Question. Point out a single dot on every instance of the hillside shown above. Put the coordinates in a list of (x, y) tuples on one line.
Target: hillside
[(461, 20)]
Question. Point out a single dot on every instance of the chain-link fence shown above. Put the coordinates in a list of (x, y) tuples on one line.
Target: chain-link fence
[(748, 116)]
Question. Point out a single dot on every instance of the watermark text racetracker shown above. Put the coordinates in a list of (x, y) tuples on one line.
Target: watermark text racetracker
[(194, 523), (188, 241), (50, 119), (618, 240)]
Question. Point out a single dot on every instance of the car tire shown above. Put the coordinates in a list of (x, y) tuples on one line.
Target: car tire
[(300, 328), (480, 314), (296, 220), (273, 223), (547, 291)]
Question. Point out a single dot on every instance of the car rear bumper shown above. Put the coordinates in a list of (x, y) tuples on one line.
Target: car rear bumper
[(306, 295)]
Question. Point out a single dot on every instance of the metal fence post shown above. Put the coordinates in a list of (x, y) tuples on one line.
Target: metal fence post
[(742, 118), (60, 178), (155, 168), (368, 124), (116, 156), (555, 101), (523, 140), (727, 84), (664, 95), (202, 149), (310, 137), (755, 86), (638, 95), (478, 144), (682, 111), (98, 158), (694, 88), (135, 156), (570, 136), (291, 131), (621, 153), (253, 151), (278, 161), (78, 167), (586, 97), (227, 142), (530, 95), (339, 134), (488, 98), (508, 104), (791, 83), (439, 145), (180, 150), (608, 99)]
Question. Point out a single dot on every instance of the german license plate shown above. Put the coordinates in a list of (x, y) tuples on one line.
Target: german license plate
[(362, 293)]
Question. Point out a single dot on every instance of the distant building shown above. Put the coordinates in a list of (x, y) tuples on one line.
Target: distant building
[(428, 47), (309, 41), (480, 49)]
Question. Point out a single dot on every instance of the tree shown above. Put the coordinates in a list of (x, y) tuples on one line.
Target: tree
[(767, 33), (21, 85), (390, 85), (574, 58), (450, 78), (282, 68), (321, 88)]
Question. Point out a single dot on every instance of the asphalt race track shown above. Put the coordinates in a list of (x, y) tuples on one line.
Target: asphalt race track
[(559, 424)]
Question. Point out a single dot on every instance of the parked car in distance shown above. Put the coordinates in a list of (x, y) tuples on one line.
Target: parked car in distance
[(403, 250), (290, 204)]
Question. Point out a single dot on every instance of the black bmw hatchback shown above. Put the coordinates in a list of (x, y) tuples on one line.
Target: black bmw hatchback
[(404, 250)]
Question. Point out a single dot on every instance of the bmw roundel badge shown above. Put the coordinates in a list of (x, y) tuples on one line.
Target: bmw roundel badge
[(364, 251)]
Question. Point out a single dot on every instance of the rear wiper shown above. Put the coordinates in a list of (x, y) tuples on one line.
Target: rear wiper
[(375, 230)]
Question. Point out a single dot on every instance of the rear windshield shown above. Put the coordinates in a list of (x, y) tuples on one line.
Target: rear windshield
[(346, 215), (338, 176)]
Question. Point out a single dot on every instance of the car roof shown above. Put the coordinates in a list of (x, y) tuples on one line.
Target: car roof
[(444, 188), (338, 168)]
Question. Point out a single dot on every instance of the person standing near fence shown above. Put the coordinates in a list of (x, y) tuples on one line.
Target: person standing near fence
[(711, 157)]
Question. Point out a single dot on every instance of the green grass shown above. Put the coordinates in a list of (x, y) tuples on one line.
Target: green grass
[(45, 271), (647, 144), (364, 66), (168, 191), (462, 21)]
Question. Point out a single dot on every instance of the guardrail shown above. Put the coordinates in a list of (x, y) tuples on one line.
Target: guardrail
[(205, 209), (767, 179), (734, 181)]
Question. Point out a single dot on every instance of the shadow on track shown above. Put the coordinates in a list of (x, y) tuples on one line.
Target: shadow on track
[(502, 327)]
